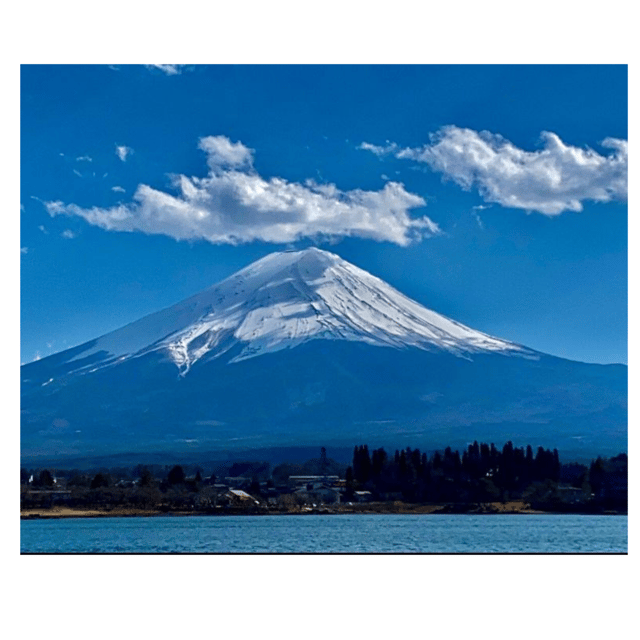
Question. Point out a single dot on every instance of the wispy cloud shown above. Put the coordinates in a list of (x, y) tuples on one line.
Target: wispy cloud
[(169, 69), (556, 178), (233, 204), (77, 173), (84, 159), (123, 152), (24, 249), (117, 189), (43, 229), (68, 234), (379, 150), (476, 215)]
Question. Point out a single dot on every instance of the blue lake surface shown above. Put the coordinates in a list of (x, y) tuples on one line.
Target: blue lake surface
[(344, 533)]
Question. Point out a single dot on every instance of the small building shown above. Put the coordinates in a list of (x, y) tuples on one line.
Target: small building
[(59, 483), (318, 495), (301, 481), (239, 497), (126, 484), (239, 482), (362, 496)]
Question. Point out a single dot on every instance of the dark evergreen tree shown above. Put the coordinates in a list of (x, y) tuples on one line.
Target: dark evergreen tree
[(176, 475), (146, 477), (378, 461), (495, 456), (485, 457), (366, 464), (555, 468), (539, 464), (597, 475), (254, 487), (402, 466), (349, 483), (100, 480), (356, 462), (529, 456), (45, 479)]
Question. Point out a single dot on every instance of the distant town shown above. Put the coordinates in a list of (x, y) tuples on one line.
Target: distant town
[(483, 479)]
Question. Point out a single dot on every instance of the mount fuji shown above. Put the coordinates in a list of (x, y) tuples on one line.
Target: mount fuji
[(304, 348)]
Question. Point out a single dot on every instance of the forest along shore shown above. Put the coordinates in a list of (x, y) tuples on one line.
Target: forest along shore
[(483, 480)]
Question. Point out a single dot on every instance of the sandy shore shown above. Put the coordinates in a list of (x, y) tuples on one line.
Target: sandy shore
[(488, 508), (66, 512), (513, 506)]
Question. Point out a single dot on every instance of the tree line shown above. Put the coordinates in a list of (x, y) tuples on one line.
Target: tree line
[(483, 473)]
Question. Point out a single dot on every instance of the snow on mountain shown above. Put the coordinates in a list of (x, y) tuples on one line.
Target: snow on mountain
[(286, 299)]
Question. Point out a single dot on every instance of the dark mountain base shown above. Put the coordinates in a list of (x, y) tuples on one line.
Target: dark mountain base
[(323, 393)]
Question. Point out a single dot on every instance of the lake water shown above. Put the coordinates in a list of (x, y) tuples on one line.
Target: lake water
[(343, 533)]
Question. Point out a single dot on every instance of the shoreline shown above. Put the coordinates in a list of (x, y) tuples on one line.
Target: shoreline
[(491, 508)]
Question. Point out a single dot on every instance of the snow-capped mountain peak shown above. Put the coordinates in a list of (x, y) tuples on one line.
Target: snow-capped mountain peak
[(346, 357), (283, 300)]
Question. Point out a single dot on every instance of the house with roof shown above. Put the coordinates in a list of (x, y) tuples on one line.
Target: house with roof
[(238, 497), (319, 494)]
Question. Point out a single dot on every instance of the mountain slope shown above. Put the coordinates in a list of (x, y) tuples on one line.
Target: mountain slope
[(279, 302), (304, 348)]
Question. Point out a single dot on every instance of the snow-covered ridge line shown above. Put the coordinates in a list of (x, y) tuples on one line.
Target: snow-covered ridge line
[(286, 299)]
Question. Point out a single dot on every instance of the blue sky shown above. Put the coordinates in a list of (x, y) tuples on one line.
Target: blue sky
[(495, 195)]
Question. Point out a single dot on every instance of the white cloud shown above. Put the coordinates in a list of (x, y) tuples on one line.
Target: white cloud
[(24, 249), (122, 152), (169, 69), (556, 178), (233, 205), (380, 151), (42, 228), (224, 154), (68, 234), (77, 173), (117, 189), (84, 159)]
